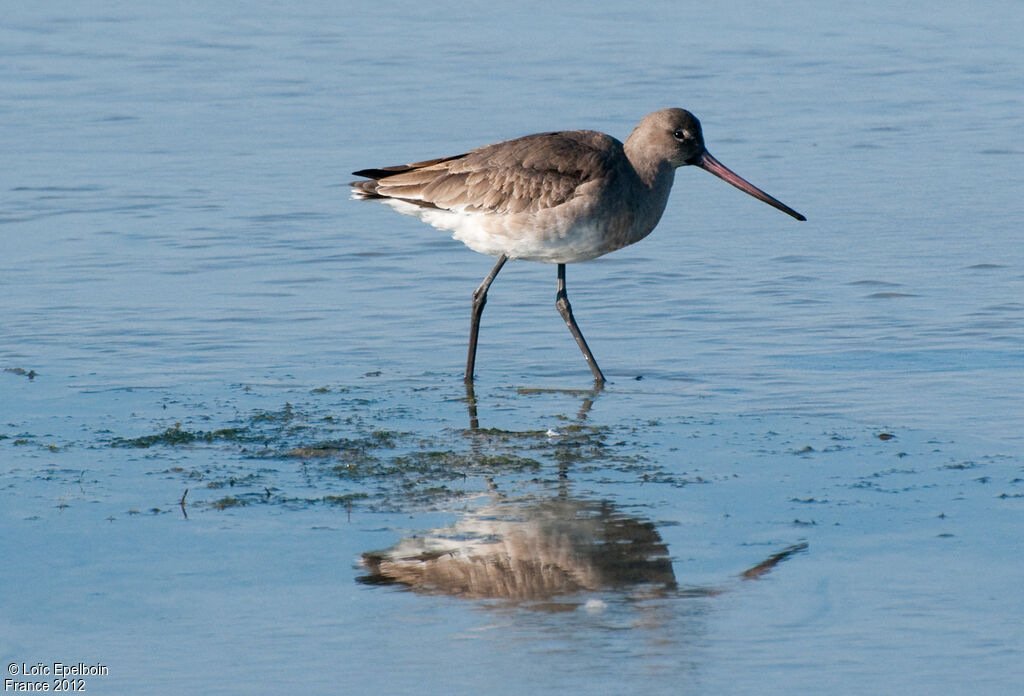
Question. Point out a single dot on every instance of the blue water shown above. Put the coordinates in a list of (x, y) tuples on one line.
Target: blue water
[(178, 254)]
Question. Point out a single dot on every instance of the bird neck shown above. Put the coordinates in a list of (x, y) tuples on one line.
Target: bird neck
[(653, 182), (656, 173)]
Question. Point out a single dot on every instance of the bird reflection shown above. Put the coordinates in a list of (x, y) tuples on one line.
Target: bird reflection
[(539, 549), (587, 398), (529, 552)]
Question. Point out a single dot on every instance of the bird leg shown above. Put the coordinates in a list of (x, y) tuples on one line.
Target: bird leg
[(565, 309), (479, 300), (474, 420)]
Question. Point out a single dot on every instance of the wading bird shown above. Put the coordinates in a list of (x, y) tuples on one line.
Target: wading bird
[(557, 198)]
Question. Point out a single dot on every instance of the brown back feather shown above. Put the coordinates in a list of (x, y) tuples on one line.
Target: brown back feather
[(526, 174)]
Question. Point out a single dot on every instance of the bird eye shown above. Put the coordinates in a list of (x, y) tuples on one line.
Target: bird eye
[(681, 134)]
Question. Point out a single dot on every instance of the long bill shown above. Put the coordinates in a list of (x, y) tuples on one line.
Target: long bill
[(709, 163)]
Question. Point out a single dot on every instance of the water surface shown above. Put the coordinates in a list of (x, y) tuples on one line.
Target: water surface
[(190, 302)]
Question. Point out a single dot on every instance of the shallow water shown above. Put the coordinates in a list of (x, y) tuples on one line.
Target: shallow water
[(224, 383)]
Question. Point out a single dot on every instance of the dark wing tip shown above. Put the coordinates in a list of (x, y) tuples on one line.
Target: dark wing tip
[(385, 172), (379, 173)]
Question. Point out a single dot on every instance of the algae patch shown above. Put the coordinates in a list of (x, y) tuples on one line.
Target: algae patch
[(176, 437), (335, 448)]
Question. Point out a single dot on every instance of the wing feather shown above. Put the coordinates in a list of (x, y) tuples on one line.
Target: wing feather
[(523, 175)]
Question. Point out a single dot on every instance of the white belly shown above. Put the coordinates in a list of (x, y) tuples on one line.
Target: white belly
[(549, 236)]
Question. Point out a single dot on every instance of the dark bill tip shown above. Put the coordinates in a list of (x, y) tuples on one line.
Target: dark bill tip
[(710, 164)]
